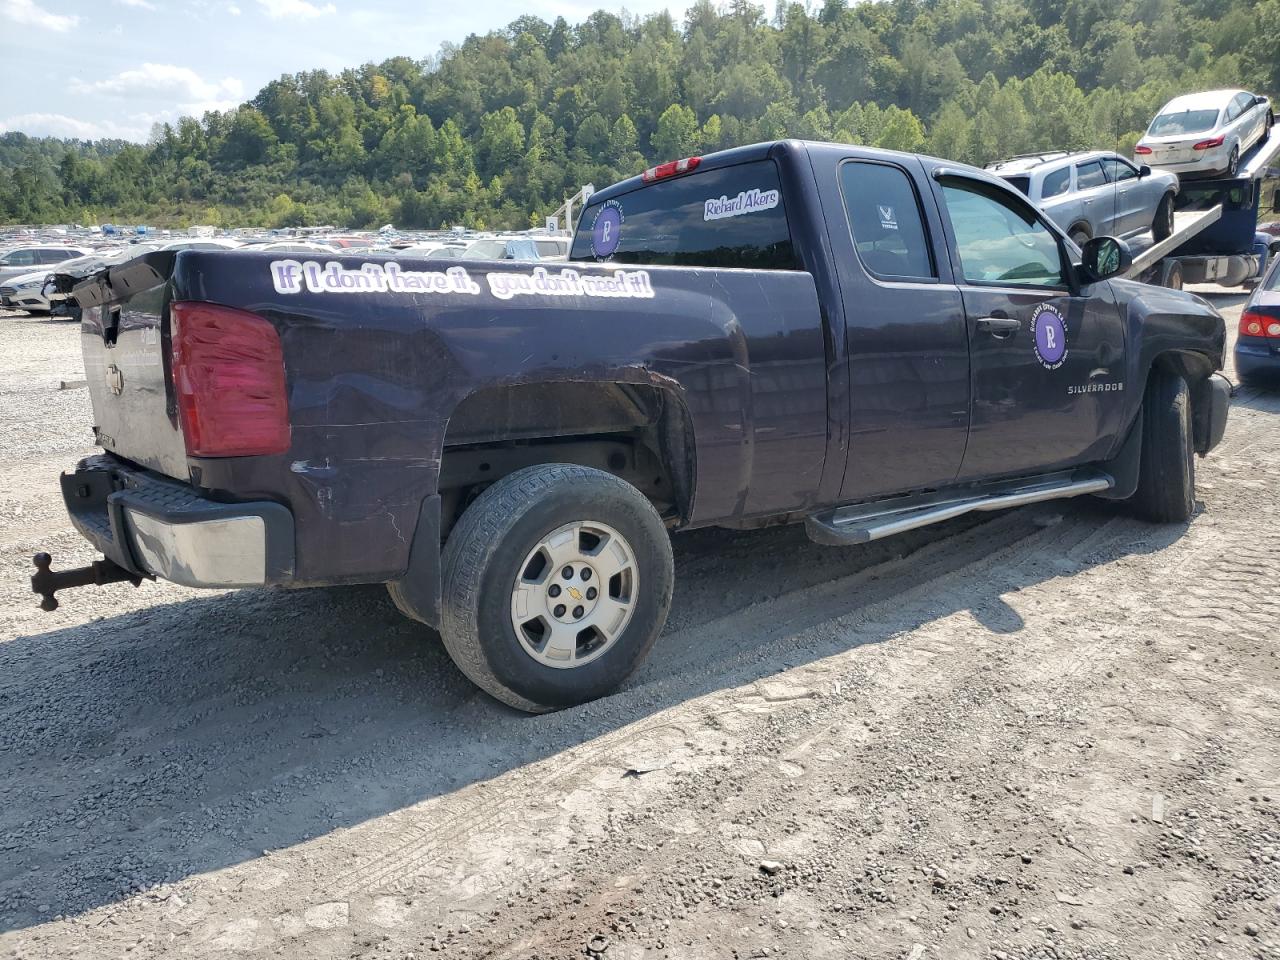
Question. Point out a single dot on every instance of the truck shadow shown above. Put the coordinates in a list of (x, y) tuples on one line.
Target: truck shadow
[(180, 738)]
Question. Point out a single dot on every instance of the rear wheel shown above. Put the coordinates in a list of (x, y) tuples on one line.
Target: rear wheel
[(1162, 226), (1167, 476), (1233, 165), (556, 582), (1079, 236)]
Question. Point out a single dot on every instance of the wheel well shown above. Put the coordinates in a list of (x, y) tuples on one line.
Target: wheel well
[(1081, 227), (1195, 368), (638, 432)]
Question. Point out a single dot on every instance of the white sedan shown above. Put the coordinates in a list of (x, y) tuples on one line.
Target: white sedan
[(1205, 133)]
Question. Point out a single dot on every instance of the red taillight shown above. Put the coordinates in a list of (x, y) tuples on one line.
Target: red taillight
[(228, 375), (1255, 324), (1142, 150), (1209, 144), (671, 168)]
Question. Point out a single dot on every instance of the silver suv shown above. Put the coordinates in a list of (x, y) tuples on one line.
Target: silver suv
[(1096, 194)]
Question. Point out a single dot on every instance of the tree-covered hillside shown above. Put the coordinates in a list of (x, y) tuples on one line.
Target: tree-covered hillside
[(497, 130)]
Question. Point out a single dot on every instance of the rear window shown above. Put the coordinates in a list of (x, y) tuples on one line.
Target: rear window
[(729, 217), (1184, 121)]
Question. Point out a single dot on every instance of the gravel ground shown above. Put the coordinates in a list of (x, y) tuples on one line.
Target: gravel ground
[(1046, 733)]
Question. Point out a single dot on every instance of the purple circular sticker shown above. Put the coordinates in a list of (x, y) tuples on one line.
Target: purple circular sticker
[(1051, 337), (606, 231)]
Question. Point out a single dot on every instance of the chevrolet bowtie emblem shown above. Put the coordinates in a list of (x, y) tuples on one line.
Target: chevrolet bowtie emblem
[(575, 593)]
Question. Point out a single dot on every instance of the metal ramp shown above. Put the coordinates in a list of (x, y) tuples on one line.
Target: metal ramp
[(1186, 225), (1260, 156)]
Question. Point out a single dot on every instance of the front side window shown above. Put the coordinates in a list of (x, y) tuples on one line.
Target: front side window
[(885, 220), (1056, 183), (1000, 240), (725, 217), (1090, 175), (1118, 170)]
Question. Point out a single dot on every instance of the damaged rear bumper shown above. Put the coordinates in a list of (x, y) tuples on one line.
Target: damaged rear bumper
[(158, 527)]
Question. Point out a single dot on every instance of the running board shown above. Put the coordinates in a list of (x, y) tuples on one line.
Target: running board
[(862, 523)]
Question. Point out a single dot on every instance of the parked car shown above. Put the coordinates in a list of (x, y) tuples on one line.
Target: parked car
[(431, 251), (42, 292), (295, 246), (552, 248), (1095, 194), (501, 248), (25, 259), (202, 243), (1205, 134), (870, 342), (1257, 351)]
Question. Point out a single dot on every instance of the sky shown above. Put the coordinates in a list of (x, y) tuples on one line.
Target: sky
[(113, 68)]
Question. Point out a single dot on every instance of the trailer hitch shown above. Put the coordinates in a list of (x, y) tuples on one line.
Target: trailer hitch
[(46, 582)]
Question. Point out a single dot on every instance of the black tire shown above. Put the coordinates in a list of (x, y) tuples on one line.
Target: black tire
[(1162, 226), (1233, 164), (1079, 236), (1167, 478), (485, 553), (1173, 277)]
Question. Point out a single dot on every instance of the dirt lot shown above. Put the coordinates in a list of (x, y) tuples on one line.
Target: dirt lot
[(1053, 732)]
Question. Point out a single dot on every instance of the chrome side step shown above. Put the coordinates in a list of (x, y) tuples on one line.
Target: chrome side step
[(862, 523)]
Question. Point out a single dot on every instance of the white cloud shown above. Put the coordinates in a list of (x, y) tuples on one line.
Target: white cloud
[(140, 4), (233, 10), (164, 80), (295, 9), (27, 13), (60, 125)]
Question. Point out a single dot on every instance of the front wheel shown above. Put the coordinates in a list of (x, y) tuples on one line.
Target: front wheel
[(556, 583), (1167, 476)]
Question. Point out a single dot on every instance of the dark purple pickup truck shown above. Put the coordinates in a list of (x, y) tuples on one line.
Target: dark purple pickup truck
[(864, 341)]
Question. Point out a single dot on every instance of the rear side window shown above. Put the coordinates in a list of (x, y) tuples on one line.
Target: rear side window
[(729, 217), (1020, 183), (1090, 175), (1056, 183), (884, 215)]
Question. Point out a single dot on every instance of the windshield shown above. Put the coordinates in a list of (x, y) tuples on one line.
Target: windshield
[(1273, 280), (727, 217), (1183, 121), (486, 250)]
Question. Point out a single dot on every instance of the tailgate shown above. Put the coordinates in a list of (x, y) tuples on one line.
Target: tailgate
[(124, 334)]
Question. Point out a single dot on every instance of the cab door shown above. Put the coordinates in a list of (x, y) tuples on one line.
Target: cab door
[(1047, 355), (1134, 212), (1097, 196), (906, 345)]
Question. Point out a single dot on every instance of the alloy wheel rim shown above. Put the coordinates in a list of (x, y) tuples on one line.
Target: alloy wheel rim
[(574, 594)]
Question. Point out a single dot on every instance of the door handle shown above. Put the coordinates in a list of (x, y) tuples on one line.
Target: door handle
[(1000, 327)]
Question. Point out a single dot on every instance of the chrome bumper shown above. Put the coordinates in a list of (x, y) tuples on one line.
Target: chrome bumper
[(159, 527)]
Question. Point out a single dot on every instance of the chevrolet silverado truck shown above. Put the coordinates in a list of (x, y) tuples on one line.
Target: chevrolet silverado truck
[(859, 340)]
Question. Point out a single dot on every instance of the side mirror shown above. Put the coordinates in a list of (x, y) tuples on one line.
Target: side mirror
[(1258, 101), (1144, 171), (1104, 257)]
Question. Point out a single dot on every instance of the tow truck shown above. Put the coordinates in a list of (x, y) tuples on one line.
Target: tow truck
[(1215, 236)]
